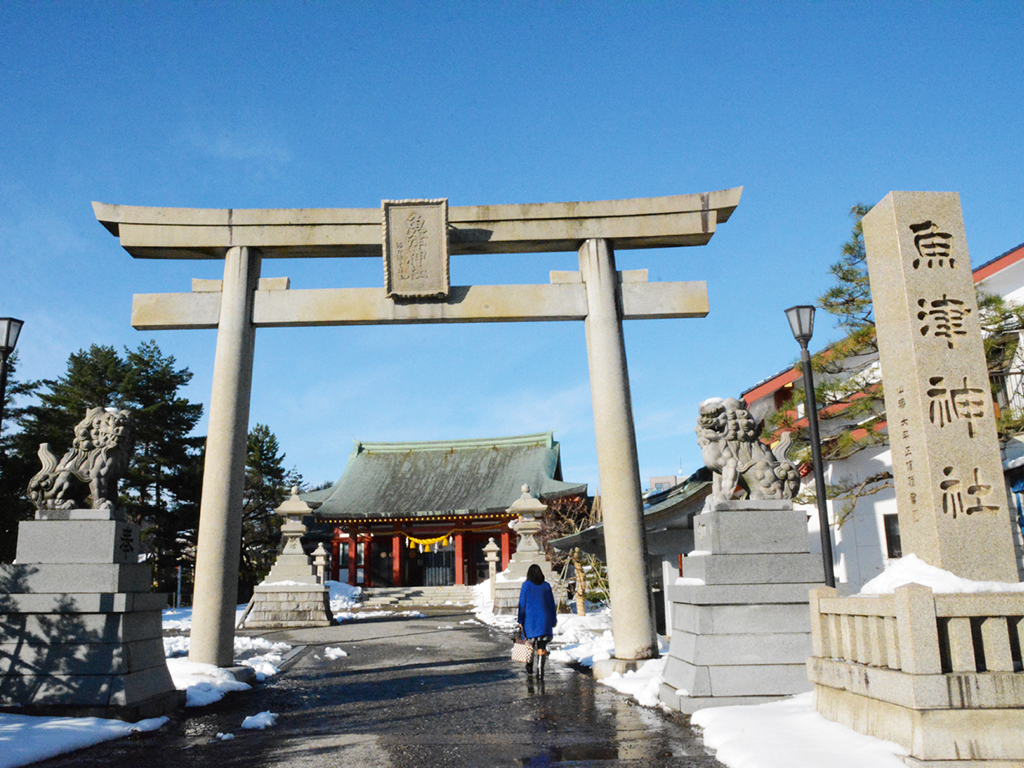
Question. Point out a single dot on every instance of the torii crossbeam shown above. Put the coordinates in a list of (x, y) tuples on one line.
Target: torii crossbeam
[(416, 238)]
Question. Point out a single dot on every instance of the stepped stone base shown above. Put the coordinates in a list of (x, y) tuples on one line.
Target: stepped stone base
[(986, 738), (289, 605), (741, 630), (80, 632)]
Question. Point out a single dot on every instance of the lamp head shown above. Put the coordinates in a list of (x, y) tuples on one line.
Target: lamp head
[(9, 330), (801, 322)]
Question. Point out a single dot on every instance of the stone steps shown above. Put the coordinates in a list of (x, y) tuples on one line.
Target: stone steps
[(402, 597)]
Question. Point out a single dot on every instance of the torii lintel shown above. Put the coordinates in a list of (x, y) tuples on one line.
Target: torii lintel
[(207, 233)]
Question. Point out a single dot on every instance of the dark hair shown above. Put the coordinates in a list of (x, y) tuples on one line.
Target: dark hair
[(535, 574)]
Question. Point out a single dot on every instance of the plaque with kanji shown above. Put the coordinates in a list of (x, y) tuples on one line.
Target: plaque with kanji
[(416, 248)]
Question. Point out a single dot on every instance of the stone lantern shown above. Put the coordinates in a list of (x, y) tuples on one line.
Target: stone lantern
[(291, 595), (491, 554), (528, 552)]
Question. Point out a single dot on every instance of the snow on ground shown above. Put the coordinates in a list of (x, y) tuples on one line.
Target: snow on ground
[(344, 598), (260, 721), (25, 740), (790, 733)]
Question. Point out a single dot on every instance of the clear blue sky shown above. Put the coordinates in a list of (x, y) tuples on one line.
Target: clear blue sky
[(811, 107)]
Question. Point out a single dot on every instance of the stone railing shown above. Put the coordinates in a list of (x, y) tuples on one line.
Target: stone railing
[(918, 632), (940, 674)]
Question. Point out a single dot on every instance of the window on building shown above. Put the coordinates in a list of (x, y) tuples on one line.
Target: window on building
[(893, 549)]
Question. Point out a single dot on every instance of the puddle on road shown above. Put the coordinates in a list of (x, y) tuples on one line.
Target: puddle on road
[(613, 728)]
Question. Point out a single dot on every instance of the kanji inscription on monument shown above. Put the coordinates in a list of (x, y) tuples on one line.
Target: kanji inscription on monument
[(945, 453), (416, 248)]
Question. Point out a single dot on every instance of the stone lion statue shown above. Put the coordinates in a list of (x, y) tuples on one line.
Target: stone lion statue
[(98, 457), (742, 466)]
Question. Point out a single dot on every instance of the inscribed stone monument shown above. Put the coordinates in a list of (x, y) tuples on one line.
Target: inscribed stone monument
[(937, 673), (945, 454)]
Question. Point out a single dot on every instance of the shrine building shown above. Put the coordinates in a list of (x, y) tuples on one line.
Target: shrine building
[(420, 514)]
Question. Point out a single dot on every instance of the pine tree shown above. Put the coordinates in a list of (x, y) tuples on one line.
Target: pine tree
[(848, 386), (160, 491), (161, 488), (15, 469)]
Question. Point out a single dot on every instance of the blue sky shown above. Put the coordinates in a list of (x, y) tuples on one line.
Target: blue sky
[(811, 107)]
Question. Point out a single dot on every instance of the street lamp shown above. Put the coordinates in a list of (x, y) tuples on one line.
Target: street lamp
[(9, 330), (801, 321)]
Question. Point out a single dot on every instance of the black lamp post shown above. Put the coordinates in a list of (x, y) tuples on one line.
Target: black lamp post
[(801, 321), (9, 330)]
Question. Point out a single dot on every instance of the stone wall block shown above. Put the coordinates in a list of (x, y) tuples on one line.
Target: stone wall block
[(733, 528), (77, 541), (754, 569)]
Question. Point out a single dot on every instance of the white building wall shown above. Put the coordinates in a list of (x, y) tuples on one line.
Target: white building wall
[(858, 543)]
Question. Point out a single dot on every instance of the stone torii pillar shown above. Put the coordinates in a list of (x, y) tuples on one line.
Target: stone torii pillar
[(220, 523), (618, 466), (418, 238)]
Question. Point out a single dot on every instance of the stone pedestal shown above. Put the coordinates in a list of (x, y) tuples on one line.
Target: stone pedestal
[(80, 630), (291, 595), (741, 632)]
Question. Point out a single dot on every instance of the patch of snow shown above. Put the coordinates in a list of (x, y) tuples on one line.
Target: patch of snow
[(203, 683), (334, 653), (256, 652), (910, 568), (643, 684), (790, 733), (225, 736), (260, 721), (180, 619), (25, 739), (483, 608), (341, 616), (343, 596)]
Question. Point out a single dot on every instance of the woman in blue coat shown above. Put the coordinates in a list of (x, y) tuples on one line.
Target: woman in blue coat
[(537, 616)]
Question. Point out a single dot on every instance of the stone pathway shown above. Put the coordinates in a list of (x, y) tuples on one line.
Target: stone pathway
[(420, 692)]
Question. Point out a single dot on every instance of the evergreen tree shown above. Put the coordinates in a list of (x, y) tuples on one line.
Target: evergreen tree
[(160, 491), (15, 469), (267, 483), (161, 488)]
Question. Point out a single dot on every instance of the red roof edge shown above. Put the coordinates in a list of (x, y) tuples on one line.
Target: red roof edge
[(769, 386), (999, 263)]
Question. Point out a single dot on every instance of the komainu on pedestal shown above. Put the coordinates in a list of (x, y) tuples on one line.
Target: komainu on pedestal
[(80, 629)]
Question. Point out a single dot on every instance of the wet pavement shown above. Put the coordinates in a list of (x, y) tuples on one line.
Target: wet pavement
[(412, 692)]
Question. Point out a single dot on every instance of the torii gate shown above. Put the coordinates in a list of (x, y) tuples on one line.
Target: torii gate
[(417, 238)]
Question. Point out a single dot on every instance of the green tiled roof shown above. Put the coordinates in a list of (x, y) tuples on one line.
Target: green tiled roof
[(454, 476)]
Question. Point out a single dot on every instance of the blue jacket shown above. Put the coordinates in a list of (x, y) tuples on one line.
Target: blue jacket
[(537, 609)]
